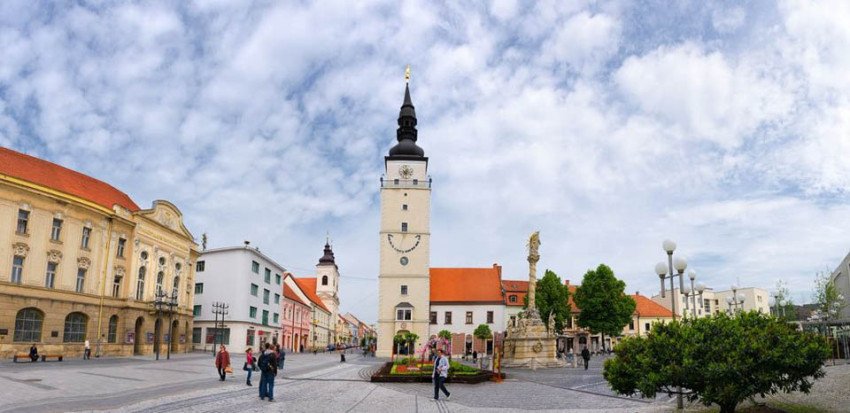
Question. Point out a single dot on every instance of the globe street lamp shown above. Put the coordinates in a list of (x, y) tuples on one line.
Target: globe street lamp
[(693, 292), (680, 264), (736, 301)]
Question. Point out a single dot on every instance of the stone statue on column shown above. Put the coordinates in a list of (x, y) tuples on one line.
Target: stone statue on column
[(533, 257)]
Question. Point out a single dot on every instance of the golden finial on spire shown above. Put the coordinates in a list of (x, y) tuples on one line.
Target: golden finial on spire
[(407, 74)]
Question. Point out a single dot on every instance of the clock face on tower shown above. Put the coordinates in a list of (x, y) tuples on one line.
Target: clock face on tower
[(402, 246), (405, 171)]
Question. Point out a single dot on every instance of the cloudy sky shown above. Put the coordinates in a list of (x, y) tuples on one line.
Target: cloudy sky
[(608, 126)]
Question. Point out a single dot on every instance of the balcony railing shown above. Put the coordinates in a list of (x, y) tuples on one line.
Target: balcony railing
[(405, 183)]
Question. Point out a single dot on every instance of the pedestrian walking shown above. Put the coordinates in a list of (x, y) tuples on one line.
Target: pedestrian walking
[(87, 350), (281, 358), (268, 369), (475, 356), (571, 357), (222, 362), (441, 371), (249, 364), (585, 355), (33, 352)]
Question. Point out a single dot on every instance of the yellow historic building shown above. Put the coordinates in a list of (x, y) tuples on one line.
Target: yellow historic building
[(79, 260)]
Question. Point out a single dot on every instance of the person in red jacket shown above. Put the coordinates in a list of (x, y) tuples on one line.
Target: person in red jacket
[(222, 362)]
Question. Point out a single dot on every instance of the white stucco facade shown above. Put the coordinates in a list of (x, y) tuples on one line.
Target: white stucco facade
[(458, 321), (251, 284)]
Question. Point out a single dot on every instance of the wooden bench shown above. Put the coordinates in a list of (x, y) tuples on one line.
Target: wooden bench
[(23, 356), (58, 357)]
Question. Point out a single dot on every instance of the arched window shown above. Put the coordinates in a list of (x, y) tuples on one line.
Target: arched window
[(176, 287), (28, 325), (112, 334), (159, 277), (75, 328), (140, 284), (324, 280)]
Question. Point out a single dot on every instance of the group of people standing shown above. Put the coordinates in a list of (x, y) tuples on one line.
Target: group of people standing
[(268, 363)]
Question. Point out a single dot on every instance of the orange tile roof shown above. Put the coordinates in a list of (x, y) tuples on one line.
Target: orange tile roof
[(466, 285), (51, 175), (308, 287), (515, 285), (648, 308), (289, 293)]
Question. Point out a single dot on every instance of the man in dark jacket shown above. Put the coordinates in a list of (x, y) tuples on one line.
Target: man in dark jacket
[(34, 352), (268, 370), (585, 355)]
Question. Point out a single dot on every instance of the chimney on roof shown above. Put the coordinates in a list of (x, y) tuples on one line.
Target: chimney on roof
[(499, 269), (567, 283), (637, 292)]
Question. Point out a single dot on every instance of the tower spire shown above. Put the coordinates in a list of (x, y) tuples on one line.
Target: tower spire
[(406, 134)]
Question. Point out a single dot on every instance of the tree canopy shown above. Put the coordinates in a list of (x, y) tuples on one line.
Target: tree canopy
[(446, 334), (552, 297), (719, 359), (482, 331), (605, 307)]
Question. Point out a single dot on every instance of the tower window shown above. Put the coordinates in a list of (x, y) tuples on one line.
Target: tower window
[(324, 280), (403, 290), (415, 182), (395, 181), (404, 207), (404, 227)]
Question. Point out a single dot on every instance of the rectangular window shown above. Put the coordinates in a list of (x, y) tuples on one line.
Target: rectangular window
[(415, 182), (265, 317), (50, 276), (469, 317), (268, 276), (23, 220), (17, 269), (121, 243), (706, 304), (404, 207), (277, 279), (218, 335), (116, 286), (196, 311), (646, 327), (631, 325), (56, 230), (255, 289), (84, 243), (395, 181), (199, 288), (489, 317), (196, 335), (404, 227), (433, 317), (275, 318), (403, 290), (403, 314), (265, 296), (448, 317), (199, 266), (252, 312), (277, 298), (255, 267), (81, 279)]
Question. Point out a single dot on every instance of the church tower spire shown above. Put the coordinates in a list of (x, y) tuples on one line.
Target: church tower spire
[(406, 134)]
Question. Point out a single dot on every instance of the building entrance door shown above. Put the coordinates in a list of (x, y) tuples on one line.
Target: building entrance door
[(137, 343)]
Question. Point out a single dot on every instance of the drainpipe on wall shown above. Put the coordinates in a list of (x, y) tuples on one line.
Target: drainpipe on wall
[(103, 284)]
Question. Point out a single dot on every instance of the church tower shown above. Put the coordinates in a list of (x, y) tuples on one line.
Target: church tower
[(405, 234), (327, 285)]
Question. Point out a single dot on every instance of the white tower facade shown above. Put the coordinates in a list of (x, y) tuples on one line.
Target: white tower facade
[(405, 238), (327, 285)]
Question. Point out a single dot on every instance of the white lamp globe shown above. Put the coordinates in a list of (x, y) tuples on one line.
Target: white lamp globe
[(692, 275), (686, 290), (700, 287), (668, 246), (661, 269), (728, 300), (680, 264)]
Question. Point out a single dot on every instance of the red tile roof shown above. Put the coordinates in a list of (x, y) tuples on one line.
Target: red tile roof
[(308, 287), (515, 285), (515, 288), (51, 175), (466, 285), (289, 293), (648, 308)]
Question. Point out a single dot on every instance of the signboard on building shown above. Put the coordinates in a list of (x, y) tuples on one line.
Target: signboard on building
[(149, 338), (130, 337)]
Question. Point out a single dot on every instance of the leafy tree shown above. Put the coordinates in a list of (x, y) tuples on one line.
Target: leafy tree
[(483, 332), (446, 334), (718, 359), (828, 297), (605, 308), (552, 297)]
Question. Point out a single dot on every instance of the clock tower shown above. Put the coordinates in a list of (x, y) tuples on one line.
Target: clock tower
[(405, 233)]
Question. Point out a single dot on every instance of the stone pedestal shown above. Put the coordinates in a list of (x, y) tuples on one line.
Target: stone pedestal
[(529, 345)]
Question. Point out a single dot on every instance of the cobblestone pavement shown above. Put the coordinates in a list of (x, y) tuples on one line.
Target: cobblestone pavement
[(309, 383)]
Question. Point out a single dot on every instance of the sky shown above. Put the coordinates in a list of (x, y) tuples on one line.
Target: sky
[(608, 126)]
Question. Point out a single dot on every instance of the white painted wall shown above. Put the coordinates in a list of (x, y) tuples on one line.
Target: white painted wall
[(479, 316)]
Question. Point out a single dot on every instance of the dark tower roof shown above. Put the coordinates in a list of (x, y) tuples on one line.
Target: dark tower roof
[(328, 257), (406, 133)]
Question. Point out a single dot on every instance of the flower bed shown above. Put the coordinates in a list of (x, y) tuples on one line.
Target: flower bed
[(407, 371)]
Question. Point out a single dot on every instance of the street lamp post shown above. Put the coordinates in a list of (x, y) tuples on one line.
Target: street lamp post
[(736, 301), (692, 293), (158, 303), (680, 264)]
